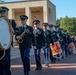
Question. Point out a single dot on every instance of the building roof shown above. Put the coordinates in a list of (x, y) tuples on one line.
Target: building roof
[(24, 1), (21, 1)]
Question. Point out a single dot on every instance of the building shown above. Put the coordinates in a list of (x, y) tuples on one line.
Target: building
[(43, 10)]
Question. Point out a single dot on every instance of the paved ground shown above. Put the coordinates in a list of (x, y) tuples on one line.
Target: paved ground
[(66, 66)]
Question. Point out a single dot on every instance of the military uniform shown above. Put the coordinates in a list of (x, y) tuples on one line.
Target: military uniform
[(55, 38), (65, 43), (58, 32), (48, 41), (39, 42), (70, 40), (28, 40), (5, 62), (61, 41), (59, 35)]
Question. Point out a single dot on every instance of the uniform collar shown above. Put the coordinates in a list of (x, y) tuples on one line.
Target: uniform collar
[(45, 29), (51, 30), (24, 25)]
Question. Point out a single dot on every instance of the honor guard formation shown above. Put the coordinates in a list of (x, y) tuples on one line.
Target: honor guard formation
[(55, 42)]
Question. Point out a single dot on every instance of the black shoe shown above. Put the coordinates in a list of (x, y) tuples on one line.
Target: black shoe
[(38, 68), (27, 73), (62, 57), (54, 61), (47, 65)]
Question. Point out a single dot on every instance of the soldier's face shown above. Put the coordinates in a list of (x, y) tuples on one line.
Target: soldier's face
[(5, 14), (56, 29), (23, 21), (62, 31), (65, 32), (36, 25), (44, 27), (51, 28)]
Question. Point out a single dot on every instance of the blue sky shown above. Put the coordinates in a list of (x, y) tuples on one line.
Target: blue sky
[(63, 7)]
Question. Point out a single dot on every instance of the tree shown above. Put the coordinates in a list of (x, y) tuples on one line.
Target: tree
[(68, 24)]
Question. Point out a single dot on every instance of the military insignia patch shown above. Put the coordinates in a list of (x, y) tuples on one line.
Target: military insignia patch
[(27, 30)]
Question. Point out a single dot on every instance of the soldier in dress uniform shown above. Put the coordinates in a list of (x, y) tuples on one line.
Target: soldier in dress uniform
[(48, 41), (5, 62), (61, 41), (27, 41), (59, 34), (55, 39), (65, 42), (54, 35), (70, 40), (39, 42), (57, 31)]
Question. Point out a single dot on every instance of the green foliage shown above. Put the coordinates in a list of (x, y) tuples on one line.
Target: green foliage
[(68, 24)]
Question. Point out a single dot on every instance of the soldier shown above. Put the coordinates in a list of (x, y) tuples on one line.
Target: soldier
[(57, 31), (39, 41), (48, 41), (59, 35), (54, 35), (5, 62), (65, 42), (55, 39), (62, 43), (25, 45)]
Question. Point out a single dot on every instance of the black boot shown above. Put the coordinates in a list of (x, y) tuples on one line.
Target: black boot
[(39, 68), (27, 73)]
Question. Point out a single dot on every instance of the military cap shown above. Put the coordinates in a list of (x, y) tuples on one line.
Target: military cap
[(23, 17), (56, 26), (51, 25), (65, 30), (45, 24), (3, 9), (60, 29), (36, 21)]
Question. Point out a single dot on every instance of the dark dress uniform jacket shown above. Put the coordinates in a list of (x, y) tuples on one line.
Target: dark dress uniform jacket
[(65, 39), (48, 38), (60, 36), (54, 36), (28, 38), (13, 23), (39, 38)]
